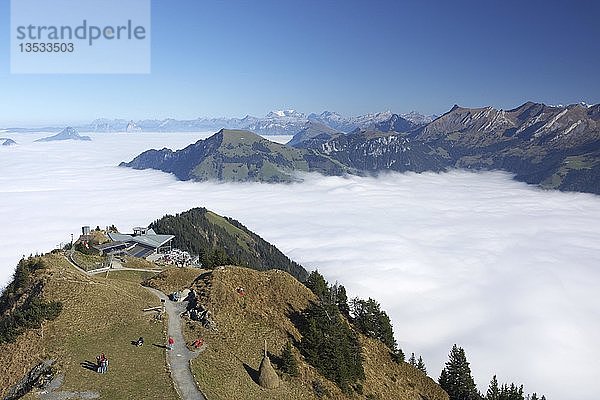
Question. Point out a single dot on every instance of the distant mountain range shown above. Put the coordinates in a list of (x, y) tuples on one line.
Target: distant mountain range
[(556, 147), (285, 122), (7, 142)]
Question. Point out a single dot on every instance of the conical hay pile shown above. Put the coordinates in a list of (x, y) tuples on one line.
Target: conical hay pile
[(267, 377)]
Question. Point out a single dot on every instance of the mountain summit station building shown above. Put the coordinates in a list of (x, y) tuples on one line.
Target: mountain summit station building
[(142, 243)]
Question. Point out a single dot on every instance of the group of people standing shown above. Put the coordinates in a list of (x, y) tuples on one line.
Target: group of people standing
[(102, 363)]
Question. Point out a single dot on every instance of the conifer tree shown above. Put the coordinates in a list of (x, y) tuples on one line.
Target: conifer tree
[(341, 300), (493, 392), (371, 320), (412, 360), (318, 285), (397, 355), (443, 379), (289, 363), (457, 380), (330, 345), (421, 365)]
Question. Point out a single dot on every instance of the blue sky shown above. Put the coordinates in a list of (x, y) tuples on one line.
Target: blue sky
[(235, 58)]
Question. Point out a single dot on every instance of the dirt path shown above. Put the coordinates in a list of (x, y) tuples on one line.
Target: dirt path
[(52, 392), (103, 270), (179, 358)]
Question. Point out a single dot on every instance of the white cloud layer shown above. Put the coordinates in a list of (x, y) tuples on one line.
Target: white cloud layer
[(505, 270)]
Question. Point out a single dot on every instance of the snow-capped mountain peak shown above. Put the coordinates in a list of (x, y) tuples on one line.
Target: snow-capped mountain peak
[(285, 114)]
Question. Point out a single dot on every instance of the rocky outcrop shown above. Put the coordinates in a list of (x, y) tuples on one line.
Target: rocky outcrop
[(197, 312), (39, 376)]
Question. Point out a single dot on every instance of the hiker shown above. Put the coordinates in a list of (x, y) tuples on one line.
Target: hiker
[(103, 366), (198, 343), (171, 343), (102, 363), (140, 342), (100, 360)]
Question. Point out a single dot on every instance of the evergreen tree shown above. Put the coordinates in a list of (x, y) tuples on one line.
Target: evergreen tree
[(421, 365), (217, 258), (372, 321), (511, 392), (397, 355), (341, 299), (493, 392), (456, 377), (289, 363), (331, 346), (318, 285), (412, 360), (443, 379), (534, 396)]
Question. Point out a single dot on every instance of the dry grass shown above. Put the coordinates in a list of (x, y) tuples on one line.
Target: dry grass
[(16, 359), (133, 262), (174, 279), (131, 276), (230, 364), (389, 380), (99, 315), (104, 315)]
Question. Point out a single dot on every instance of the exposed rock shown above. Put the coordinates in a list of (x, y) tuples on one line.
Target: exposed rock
[(39, 376), (197, 312)]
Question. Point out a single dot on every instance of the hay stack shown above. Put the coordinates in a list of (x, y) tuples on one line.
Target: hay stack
[(267, 377)]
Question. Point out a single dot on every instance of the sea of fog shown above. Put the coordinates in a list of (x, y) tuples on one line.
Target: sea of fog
[(503, 269)]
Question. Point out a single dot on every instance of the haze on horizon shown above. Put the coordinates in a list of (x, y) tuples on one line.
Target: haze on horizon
[(314, 56), (506, 270)]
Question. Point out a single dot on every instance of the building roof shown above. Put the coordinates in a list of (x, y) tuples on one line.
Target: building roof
[(111, 245), (150, 239)]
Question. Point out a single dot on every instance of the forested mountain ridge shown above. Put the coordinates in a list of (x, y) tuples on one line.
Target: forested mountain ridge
[(221, 240)]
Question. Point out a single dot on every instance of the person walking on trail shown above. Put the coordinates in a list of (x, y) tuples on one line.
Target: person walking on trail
[(171, 342)]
